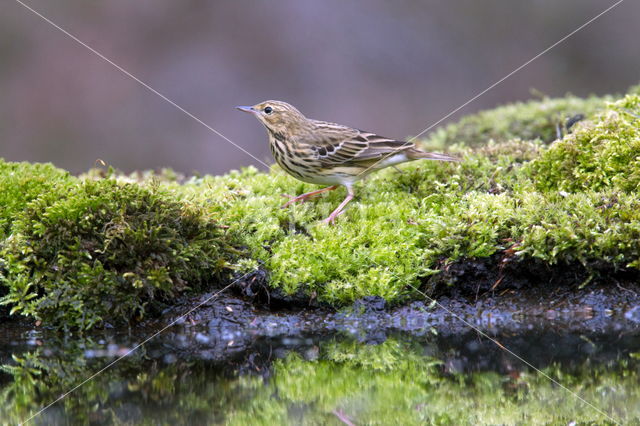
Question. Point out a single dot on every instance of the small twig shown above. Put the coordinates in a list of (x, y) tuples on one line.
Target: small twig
[(497, 283), (625, 289)]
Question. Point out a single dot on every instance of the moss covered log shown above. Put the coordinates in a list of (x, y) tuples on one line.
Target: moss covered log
[(555, 180)]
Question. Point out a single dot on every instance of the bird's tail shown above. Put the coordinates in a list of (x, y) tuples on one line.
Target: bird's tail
[(416, 154)]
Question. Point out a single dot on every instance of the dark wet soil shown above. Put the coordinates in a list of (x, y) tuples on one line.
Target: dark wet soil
[(232, 324), (589, 308), (471, 278)]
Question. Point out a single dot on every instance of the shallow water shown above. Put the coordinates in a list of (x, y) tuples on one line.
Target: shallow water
[(196, 373)]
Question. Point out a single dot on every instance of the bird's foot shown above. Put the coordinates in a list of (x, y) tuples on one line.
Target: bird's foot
[(293, 199), (331, 220), (337, 212), (303, 197)]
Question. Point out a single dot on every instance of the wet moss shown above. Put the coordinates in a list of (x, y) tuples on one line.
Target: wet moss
[(105, 252)]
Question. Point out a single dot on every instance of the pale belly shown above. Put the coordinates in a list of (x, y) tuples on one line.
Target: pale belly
[(335, 176)]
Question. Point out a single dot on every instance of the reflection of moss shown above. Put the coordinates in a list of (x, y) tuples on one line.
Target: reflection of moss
[(571, 202), (39, 380), (394, 384), (103, 251), (131, 392), (391, 383)]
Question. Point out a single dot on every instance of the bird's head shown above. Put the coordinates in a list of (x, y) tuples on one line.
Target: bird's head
[(277, 116)]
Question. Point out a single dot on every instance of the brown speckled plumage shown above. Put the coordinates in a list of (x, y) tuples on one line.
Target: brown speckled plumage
[(328, 153)]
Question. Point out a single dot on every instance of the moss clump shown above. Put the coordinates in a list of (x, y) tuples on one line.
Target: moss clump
[(22, 182), (600, 154), (533, 120), (101, 251), (407, 226)]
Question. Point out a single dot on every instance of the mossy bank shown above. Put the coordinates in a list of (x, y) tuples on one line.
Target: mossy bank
[(552, 182)]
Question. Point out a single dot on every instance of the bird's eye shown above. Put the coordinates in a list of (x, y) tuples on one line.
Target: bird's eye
[(268, 110)]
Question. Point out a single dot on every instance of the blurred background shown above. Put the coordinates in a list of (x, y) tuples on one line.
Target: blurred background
[(389, 67)]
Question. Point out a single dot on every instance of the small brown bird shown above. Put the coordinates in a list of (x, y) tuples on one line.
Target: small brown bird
[(327, 153)]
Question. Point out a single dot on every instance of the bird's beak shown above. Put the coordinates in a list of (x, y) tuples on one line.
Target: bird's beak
[(246, 108)]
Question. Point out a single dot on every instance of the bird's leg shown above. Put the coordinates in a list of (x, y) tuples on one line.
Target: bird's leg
[(337, 212), (303, 197)]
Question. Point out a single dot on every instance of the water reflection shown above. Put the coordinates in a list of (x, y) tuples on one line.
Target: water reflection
[(188, 377)]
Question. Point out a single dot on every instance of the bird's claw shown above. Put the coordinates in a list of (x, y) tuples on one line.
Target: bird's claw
[(331, 220)]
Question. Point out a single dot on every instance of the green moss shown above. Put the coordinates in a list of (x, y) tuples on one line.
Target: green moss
[(101, 251), (22, 182), (541, 120), (601, 153)]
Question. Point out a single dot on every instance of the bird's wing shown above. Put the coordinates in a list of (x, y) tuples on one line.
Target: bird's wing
[(340, 145)]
